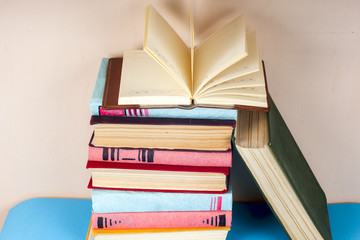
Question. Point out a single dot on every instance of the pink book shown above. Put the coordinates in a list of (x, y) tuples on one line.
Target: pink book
[(140, 112), (161, 156), (143, 220)]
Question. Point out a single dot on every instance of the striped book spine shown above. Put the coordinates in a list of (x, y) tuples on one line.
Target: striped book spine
[(159, 156), (131, 220)]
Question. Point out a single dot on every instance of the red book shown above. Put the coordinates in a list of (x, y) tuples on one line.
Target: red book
[(157, 177), (149, 156), (160, 121)]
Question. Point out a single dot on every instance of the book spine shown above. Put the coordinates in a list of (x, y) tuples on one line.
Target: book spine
[(97, 95), (198, 113), (131, 220), (113, 201), (140, 112), (164, 157), (161, 121)]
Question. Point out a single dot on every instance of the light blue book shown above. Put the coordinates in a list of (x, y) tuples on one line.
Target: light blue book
[(198, 112), (97, 96), (111, 201)]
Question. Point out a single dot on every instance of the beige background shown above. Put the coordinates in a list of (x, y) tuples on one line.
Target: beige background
[(50, 53)]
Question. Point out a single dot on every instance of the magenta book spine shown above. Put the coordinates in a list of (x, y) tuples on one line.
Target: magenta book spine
[(157, 156), (141, 220), (125, 112)]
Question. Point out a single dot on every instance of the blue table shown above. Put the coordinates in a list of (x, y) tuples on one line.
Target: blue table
[(68, 219)]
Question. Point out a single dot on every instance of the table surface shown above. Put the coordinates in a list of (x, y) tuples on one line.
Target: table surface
[(59, 218)]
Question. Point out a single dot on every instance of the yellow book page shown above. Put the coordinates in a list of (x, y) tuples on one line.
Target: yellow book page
[(145, 82), (232, 100), (167, 48), (224, 48), (248, 81), (250, 64), (245, 91)]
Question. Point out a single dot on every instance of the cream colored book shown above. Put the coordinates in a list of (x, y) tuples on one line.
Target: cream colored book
[(289, 186), (114, 178), (162, 133), (223, 71)]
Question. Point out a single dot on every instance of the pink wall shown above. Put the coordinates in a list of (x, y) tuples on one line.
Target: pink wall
[(50, 53)]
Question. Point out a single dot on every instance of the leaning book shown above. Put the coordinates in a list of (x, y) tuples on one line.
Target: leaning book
[(282, 174)]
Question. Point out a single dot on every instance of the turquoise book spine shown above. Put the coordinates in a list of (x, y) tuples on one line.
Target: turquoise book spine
[(112, 201)]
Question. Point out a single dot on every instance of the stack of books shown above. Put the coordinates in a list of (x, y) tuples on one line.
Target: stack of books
[(159, 177), (159, 172), (164, 120), (160, 154)]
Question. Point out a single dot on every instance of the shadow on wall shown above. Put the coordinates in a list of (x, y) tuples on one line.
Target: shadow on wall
[(243, 185)]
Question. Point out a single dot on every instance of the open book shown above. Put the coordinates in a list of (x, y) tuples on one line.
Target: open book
[(223, 71), (282, 174)]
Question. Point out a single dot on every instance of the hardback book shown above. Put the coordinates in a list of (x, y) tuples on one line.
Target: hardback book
[(167, 133), (223, 71), (104, 100), (115, 201), (147, 220), (215, 233), (280, 169), (98, 91), (117, 175), (149, 156)]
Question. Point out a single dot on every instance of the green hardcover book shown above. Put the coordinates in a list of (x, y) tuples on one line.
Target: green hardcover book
[(282, 174)]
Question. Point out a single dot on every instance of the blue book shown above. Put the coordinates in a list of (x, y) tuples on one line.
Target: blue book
[(97, 96), (112, 201), (196, 112)]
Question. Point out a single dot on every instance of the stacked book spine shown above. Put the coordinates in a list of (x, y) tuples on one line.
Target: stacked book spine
[(159, 173)]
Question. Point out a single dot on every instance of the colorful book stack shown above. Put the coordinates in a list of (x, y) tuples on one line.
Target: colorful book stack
[(159, 173), (161, 149)]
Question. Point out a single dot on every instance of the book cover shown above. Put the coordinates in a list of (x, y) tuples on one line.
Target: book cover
[(283, 176), (160, 121), (160, 156), (156, 167), (98, 92), (214, 233), (116, 175), (114, 201), (143, 220), (223, 190)]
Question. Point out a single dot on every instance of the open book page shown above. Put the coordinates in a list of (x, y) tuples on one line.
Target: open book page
[(251, 80), (221, 50), (145, 82), (232, 100), (250, 64), (245, 91), (167, 48)]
